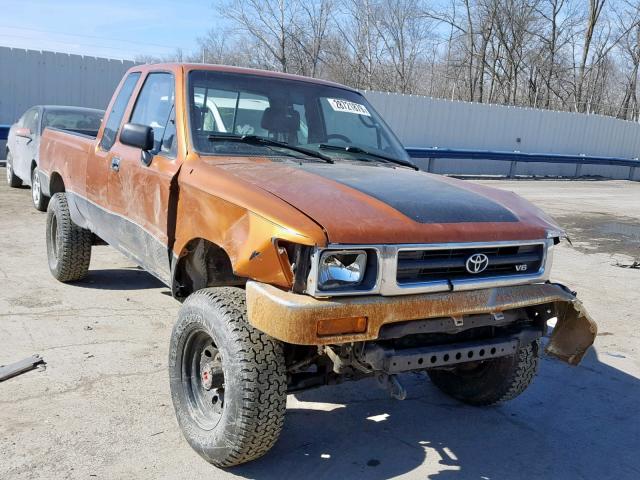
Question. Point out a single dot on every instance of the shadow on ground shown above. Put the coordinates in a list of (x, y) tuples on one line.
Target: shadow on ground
[(120, 279), (572, 423)]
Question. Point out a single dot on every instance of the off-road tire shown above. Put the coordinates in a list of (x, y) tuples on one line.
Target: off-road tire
[(40, 200), (12, 179), (492, 382), (68, 245), (255, 382)]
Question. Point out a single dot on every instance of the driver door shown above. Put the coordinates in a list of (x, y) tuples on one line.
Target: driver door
[(23, 153), (143, 188)]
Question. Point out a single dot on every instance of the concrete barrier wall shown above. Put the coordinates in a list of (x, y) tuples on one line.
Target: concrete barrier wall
[(30, 77), (423, 122), (478, 167)]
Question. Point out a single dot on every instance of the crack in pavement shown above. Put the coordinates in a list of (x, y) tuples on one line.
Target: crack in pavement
[(82, 386)]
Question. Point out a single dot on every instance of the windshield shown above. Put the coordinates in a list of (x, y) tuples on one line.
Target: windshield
[(72, 119), (293, 112)]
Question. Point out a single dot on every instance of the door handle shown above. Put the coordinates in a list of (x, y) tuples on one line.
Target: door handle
[(115, 164)]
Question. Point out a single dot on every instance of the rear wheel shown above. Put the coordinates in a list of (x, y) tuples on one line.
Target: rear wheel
[(492, 381), (40, 200), (12, 179), (228, 380), (68, 245)]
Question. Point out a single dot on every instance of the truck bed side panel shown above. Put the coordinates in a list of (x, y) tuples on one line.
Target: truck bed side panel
[(66, 154)]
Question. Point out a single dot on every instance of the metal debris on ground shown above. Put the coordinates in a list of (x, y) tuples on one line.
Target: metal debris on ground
[(635, 265), (20, 367)]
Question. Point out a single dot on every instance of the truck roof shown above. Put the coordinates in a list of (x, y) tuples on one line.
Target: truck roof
[(240, 70)]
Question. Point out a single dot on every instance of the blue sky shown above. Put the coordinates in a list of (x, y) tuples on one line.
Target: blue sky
[(111, 28)]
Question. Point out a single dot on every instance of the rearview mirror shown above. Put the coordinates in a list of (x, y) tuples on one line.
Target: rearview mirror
[(136, 135), (23, 132)]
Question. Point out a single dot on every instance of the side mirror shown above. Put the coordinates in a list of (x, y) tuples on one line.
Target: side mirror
[(23, 132), (139, 136)]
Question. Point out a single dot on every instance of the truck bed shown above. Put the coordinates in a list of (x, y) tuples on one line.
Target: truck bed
[(65, 153)]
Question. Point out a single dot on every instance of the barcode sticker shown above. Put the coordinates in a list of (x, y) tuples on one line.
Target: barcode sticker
[(348, 107)]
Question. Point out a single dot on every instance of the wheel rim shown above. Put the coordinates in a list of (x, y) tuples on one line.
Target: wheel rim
[(53, 237), (35, 187), (9, 172), (203, 379)]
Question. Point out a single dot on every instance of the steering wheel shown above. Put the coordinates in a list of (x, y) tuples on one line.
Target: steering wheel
[(337, 136)]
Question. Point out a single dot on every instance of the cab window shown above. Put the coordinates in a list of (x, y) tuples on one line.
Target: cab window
[(229, 111), (154, 106), (169, 145), (310, 115), (117, 111)]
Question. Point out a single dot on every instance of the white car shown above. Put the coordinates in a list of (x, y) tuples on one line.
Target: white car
[(23, 142)]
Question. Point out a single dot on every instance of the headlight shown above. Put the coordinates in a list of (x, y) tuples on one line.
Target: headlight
[(341, 269)]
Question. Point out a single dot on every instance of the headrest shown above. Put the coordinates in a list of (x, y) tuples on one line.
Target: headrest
[(197, 114), (276, 119)]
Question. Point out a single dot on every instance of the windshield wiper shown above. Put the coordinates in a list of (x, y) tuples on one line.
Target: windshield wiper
[(267, 142), (354, 149)]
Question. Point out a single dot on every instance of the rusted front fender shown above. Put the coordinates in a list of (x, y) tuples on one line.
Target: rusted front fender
[(297, 319)]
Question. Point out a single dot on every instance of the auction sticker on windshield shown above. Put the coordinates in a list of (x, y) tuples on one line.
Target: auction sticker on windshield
[(348, 107)]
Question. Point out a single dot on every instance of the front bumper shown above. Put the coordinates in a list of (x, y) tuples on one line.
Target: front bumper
[(294, 318)]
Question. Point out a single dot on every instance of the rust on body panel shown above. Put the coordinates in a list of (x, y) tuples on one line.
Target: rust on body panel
[(294, 318), (245, 204), (352, 217), (243, 221)]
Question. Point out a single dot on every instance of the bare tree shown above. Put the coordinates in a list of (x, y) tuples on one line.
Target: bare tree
[(358, 36), (269, 22), (309, 34), (403, 31), (629, 23), (559, 21), (218, 47), (595, 12), (581, 55)]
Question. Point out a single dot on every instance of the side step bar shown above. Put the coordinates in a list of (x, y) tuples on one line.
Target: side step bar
[(393, 361)]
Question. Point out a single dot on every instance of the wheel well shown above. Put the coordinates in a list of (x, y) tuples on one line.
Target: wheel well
[(202, 264), (33, 165), (56, 184)]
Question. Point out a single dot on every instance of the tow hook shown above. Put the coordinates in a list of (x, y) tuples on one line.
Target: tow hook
[(392, 385)]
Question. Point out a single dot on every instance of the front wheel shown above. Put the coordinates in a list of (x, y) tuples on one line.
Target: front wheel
[(491, 381), (228, 380), (40, 200), (12, 179)]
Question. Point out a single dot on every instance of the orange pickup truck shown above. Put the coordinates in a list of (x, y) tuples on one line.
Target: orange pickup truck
[(306, 247)]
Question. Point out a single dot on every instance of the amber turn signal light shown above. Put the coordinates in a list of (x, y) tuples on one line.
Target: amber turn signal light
[(342, 326)]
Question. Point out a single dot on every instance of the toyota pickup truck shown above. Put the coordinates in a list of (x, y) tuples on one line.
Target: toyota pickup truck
[(306, 249)]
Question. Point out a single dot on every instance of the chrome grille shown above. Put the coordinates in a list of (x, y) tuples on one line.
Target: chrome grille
[(422, 266)]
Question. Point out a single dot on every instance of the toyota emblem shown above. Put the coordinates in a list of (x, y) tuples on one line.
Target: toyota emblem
[(477, 263)]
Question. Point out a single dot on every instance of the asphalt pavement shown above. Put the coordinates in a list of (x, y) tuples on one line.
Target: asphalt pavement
[(102, 409)]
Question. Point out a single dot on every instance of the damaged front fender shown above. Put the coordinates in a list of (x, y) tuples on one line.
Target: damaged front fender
[(574, 333)]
